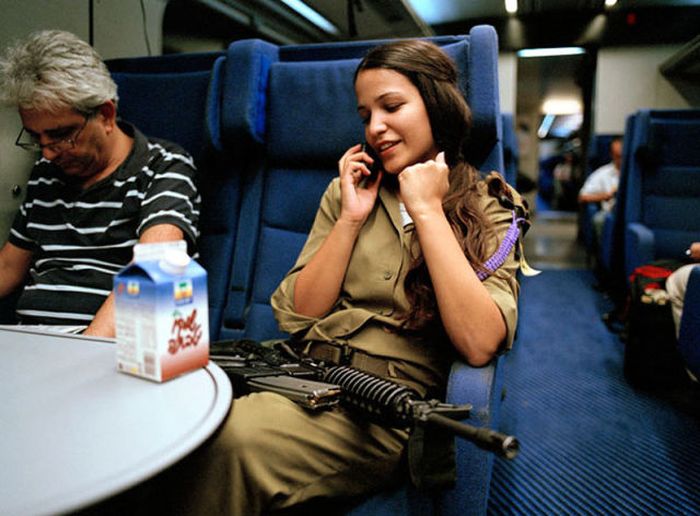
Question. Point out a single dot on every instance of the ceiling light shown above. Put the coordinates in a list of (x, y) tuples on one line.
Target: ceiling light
[(546, 124), (561, 107), (549, 52), (512, 6), (610, 3), (311, 15)]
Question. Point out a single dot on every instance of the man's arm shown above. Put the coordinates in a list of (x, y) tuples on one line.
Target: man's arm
[(596, 197), (103, 323), (596, 188), (14, 264)]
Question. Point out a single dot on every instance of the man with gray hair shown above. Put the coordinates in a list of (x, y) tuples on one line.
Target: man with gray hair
[(99, 187)]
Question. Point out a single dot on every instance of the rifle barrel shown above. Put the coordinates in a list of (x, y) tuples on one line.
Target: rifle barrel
[(504, 445)]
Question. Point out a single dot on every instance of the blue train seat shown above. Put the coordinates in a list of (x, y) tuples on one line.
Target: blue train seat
[(293, 160), (663, 186), (165, 96), (177, 97), (300, 100), (611, 252), (598, 155)]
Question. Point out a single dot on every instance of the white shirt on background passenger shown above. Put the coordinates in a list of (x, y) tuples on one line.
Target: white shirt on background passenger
[(603, 179)]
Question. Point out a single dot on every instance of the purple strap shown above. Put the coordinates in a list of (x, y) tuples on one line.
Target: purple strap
[(499, 257)]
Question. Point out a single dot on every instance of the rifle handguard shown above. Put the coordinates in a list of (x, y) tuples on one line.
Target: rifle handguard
[(398, 405)]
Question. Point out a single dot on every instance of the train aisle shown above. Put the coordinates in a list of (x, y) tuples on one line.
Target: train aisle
[(590, 442)]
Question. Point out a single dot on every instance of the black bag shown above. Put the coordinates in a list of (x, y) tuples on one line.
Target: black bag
[(652, 359)]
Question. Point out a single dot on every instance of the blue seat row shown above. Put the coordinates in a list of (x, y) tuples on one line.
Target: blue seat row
[(267, 125), (663, 187), (655, 216), (610, 254), (597, 156), (659, 191)]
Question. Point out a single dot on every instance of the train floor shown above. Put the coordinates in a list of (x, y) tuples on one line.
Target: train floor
[(591, 443)]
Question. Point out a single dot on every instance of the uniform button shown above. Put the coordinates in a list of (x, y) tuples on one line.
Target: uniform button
[(387, 275)]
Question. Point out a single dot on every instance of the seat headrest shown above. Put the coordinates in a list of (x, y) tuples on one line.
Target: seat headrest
[(166, 105), (244, 93), (667, 137), (312, 112), (267, 95), (170, 63), (165, 96)]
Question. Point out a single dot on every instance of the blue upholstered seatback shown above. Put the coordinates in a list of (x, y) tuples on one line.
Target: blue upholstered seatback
[(177, 98), (243, 118), (612, 241), (304, 106), (166, 96), (663, 187), (305, 140)]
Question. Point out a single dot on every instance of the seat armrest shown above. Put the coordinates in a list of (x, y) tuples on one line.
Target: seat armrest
[(689, 336), (480, 387), (639, 246)]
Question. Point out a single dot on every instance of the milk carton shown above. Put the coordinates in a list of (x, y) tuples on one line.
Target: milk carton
[(162, 320)]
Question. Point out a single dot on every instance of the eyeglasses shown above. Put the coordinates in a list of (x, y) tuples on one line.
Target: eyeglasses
[(59, 145)]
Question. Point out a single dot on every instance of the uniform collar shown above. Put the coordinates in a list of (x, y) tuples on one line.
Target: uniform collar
[(390, 201)]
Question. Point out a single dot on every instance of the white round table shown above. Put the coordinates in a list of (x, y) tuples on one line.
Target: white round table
[(74, 431)]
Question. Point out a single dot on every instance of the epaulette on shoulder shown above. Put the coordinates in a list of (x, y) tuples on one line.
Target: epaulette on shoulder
[(511, 200), (508, 197)]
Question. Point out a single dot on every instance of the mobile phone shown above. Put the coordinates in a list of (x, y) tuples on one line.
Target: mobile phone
[(376, 165)]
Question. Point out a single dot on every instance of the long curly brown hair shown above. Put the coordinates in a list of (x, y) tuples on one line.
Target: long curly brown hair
[(434, 74)]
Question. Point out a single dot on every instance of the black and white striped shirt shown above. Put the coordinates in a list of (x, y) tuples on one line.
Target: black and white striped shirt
[(82, 238)]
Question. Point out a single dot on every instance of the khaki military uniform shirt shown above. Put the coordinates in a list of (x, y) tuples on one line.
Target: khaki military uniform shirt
[(368, 313)]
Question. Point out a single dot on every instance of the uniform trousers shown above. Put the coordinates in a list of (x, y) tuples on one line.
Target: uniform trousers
[(271, 454)]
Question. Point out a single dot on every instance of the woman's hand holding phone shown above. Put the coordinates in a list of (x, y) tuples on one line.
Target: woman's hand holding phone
[(375, 165), (358, 196), (318, 284)]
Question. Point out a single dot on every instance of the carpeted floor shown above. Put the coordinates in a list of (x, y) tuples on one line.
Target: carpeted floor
[(591, 444)]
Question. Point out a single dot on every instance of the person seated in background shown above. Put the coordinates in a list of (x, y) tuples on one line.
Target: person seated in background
[(601, 187), (563, 175), (402, 272), (99, 187), (676, 285)]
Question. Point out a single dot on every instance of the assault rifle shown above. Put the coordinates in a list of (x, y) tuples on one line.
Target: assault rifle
[(253, 368)]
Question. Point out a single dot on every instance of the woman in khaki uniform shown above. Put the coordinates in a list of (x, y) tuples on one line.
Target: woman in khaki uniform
[(389, 276)]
